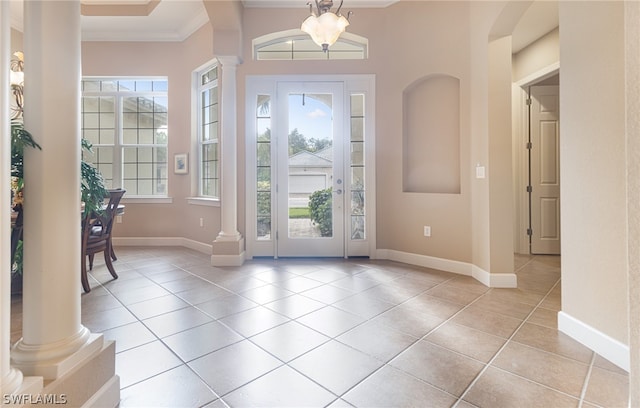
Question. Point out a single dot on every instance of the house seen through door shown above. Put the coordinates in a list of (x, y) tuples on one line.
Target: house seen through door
[(309, 186)]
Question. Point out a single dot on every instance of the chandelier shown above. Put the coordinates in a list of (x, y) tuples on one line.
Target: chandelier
[(325, 26)]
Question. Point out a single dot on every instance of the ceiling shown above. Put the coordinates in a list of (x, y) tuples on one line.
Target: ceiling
[(175, 20)]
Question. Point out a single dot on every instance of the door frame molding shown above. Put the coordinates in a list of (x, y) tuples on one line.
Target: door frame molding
[(520, 125), (267, 84)]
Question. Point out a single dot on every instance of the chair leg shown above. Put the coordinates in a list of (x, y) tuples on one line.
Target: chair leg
[(83, 275), (107, 260), (90, 262), (113, 254)]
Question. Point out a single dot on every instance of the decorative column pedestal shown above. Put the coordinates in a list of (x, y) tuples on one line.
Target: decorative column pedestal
[(228, 248), (79, 366), (12, 382)]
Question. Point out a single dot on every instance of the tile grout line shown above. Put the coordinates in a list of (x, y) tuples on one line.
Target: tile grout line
[(495, 356), (587, 378), (388, 363)]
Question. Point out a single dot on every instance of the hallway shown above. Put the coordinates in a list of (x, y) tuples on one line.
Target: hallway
[(335, 332)]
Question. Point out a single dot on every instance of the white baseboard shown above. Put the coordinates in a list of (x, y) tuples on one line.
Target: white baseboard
[(609, 348), (163, 241), (493, 280)]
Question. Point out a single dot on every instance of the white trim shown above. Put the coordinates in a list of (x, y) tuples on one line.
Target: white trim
[(107, 396), (206, 201), (544, 73), (228, 260), (267, 84), (146, 200), (492, 280), (608, 347), (162, 241)]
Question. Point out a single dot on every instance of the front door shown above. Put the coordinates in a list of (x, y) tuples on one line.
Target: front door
[(545, 170), (310, 169)]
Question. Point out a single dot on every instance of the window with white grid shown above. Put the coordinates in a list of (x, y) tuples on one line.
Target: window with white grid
[(208, 125), (126, 122)]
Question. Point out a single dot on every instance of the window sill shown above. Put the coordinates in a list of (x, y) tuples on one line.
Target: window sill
[(208, 202), (146, 200)]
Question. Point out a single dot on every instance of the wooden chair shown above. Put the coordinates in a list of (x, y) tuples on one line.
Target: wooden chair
[(96, 236)]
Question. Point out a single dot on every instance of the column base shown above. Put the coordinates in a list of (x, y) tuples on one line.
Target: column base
[(19, 398), (53, 361), (91, 383), (228, 253)]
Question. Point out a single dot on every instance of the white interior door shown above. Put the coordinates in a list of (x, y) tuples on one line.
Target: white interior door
[(310, 169), (545, 170)]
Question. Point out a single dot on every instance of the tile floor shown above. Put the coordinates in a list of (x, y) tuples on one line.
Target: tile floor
[(338, 333)]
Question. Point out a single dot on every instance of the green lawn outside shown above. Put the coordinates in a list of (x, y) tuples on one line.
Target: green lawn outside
[(298, 212)]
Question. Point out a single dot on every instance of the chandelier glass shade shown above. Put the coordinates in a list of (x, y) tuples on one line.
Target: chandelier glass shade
[(326, 26)]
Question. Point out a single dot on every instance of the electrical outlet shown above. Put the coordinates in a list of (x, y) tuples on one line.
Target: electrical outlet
[(118, 219), (202, 222), (427, 231)]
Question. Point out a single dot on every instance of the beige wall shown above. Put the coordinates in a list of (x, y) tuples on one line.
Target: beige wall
[(398, 56), (537, 56), (176, 60), (632, 54), (424, 44), (594, 220)]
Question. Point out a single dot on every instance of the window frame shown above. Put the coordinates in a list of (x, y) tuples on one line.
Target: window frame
[(312, 54), (200, 89), (118, 144)]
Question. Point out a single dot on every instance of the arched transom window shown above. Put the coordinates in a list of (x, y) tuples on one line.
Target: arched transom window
[(296, 45)]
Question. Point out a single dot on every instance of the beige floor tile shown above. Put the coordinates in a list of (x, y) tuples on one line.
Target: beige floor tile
[(410, 319), (607, 389), (377, 340), (141, 363), (444, 369), (198, 341), (554, 371), (336, 366), (553, 341), (454, 294), (390, 387), (331, 321), (434, 306), (498, 389), (488, 322), (465, 340), (544, 317), (492, 304), (281, 388), (289, 340), (178, 387), (234, 366)]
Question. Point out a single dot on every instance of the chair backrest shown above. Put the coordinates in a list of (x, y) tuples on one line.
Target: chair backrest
[(111, 208), (103, 218)]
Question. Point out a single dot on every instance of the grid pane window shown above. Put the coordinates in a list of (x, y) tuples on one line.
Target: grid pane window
[(126, 121), (209, 107), (303, 48), (357, 165), (263, 167)]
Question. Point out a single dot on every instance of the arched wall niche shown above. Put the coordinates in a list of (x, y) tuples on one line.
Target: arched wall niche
[(431, 135)]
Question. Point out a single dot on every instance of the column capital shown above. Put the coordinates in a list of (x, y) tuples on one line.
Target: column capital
[(229, 60)]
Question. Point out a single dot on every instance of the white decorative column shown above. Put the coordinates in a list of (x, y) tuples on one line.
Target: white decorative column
[(10, 378), (228, 248), (53, 339)]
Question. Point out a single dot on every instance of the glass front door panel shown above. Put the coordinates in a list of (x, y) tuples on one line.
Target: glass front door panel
[(310, 169)]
